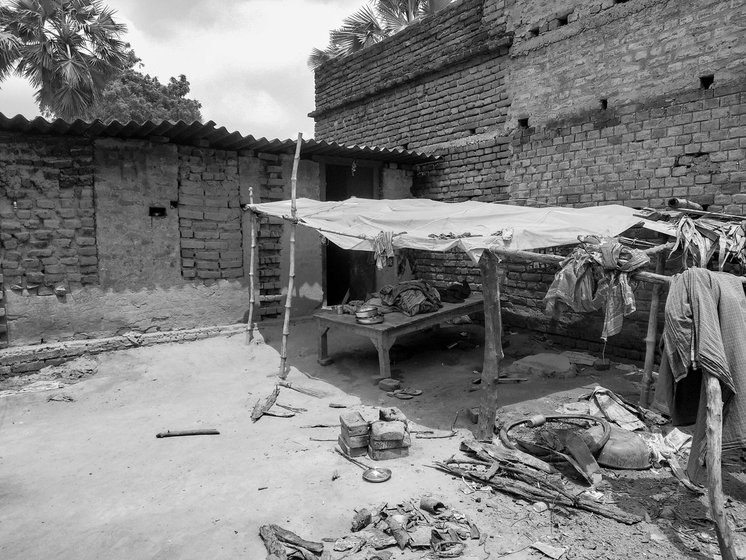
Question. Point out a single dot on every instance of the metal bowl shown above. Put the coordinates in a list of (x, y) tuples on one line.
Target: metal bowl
[(377, 474), (370, 320), (366, 311)]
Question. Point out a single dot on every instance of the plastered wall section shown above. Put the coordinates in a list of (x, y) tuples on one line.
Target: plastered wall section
[(308, 293), (141, 287)]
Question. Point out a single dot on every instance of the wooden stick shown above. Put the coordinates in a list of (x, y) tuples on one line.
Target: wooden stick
[(179, 433), (252, 256), (714, 430), (291, 277), (493, 351), (651, 337)]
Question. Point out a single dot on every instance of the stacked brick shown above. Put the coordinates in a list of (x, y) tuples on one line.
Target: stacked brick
[(47, 224), (269, 236), (387, 438), (209, 214)]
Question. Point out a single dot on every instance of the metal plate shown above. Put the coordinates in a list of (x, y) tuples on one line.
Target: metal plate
[(370, 320), (377, 474)]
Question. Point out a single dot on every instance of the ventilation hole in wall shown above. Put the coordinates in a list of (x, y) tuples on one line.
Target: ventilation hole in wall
[(563, 20), (533, 32), (620, 1), (472, 131), (157, 212), (604, 104), (174, 204), (705, 82), (405, 146), (523, 123)]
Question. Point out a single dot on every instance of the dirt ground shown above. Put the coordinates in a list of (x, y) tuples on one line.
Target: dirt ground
[(84, 477)]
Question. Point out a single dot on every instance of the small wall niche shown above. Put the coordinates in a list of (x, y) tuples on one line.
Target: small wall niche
[(157, 212), (523, 122), (705, 82), (603, 103)]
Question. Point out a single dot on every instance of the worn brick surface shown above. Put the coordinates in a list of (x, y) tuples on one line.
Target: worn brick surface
[(569, 102), (209, 214), (46, 214)]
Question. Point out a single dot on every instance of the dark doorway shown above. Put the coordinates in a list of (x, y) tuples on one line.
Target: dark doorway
[(352, 271)]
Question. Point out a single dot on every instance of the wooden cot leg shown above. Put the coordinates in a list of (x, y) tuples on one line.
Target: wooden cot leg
[(322, 355), (651, 337), (383, 344), (493, 350), (714, 438)]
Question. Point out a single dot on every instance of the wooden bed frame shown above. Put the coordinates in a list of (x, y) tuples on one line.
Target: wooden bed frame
[(384, 335)]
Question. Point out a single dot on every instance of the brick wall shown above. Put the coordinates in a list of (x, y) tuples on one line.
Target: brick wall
[(440, 79), (209, 214), (596, 102), (46, 208)]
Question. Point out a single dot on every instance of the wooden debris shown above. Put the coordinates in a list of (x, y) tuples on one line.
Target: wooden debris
[(179, 433), (542, 491), (279, 413), (261, 408), (275, 549), (288, 537), (305, 391)]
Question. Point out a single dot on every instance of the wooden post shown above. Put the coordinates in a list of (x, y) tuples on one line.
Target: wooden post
[(291, 277), (652, 335), (714, 431), (252, 257), (493, 351)]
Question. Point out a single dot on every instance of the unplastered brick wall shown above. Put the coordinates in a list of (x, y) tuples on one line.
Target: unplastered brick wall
[(209, 214), (47, 223), (269, 234), (472, 170), (690, 146), (627, 52), (439, 79)]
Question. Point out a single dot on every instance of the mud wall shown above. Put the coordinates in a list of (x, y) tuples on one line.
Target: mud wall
[(106, 237)]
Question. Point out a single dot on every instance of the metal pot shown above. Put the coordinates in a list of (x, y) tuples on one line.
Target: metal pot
[(366, 312)]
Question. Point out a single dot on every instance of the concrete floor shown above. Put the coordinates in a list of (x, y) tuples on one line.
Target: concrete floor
[(88, 479)]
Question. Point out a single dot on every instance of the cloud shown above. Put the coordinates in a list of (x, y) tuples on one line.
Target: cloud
[(245, 59)]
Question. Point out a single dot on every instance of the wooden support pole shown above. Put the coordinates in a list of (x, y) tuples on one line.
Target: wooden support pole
[(252, 269), (652, 335), (493, 351), (714, 431), (291, 277)]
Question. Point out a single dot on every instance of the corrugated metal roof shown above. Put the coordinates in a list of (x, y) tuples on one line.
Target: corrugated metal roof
[(205, 135)]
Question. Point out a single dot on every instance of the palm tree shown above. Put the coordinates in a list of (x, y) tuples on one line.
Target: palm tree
[(67, 49), (371, 24)]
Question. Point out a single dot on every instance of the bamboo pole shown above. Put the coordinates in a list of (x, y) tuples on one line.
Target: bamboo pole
[(652, 335), (252, 266), (493, 351), (714, 430), (291, 277)]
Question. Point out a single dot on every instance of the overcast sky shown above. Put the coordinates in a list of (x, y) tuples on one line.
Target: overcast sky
[(245, 59)]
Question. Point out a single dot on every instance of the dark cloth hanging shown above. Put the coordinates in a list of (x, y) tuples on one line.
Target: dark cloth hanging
[(705, 334)]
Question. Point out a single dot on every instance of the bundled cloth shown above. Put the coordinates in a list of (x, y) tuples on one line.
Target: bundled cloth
[(411, 297), (596, 275), (704, 334)]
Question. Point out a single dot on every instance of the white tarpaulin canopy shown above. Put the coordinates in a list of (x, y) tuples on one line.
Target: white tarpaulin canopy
[(440, 226)]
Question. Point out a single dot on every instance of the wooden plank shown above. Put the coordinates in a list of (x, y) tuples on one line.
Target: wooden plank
[(714, 431), (493, 351)]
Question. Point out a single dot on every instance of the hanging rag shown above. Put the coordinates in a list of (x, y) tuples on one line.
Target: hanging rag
[(596, 275), (703, 335), (411, 297), (383, 247)]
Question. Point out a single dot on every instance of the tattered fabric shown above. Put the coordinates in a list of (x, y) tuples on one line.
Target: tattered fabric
[(595, 275), (704, 333), (411, 297)]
